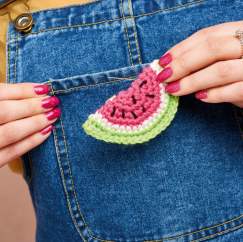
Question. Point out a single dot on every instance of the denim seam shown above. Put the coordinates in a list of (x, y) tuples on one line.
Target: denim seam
[(91, 234), (89, 86), (125, 27), (72, 180), (163, 239), (64, 185), (135, 32), (8, 68), (115, 19), (205, 229), (16, 57), (56, 142), (219, 233)]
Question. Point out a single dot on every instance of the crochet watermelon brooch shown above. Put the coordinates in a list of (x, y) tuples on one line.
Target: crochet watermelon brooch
[(137, 114)]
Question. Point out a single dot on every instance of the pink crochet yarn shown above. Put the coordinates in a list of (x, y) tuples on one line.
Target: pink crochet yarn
[(133, 106)]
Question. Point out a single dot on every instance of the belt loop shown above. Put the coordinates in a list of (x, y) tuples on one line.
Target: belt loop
[(24, 21), (130, 31)]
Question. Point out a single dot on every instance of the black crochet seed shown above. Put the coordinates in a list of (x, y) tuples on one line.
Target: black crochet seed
[(143, 83), (143, 109), (134, 115), (134, 99), (150, 95), (113, 112), (123, 113)]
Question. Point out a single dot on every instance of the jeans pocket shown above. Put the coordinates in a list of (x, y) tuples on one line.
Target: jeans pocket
[(145, 192)]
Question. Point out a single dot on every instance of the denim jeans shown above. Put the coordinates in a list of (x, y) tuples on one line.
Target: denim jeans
[(184, 185)]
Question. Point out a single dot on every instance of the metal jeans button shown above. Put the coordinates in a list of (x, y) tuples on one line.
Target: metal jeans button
[(24, 22)]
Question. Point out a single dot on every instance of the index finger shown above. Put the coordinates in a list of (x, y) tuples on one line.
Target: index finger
[(22, 90), (194, 40)]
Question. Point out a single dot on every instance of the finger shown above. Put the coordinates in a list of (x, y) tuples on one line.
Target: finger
[(17, 130), (218, 74), (206, 54), (18, 109), (17, 149), (220, 31), (229, 93), (22, 90)]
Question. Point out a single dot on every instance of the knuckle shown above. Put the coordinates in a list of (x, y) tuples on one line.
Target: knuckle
[(183, 64), (22, 90), (39, 121), (6, 135), (224, 69), (30, 106), (191, 82), (212, 45)]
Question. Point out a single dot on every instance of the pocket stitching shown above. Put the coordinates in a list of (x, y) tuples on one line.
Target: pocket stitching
[(91, 234), (169, 9), (117, 80)]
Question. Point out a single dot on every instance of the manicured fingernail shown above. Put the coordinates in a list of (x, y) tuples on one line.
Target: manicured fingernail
[(41, 89), (50, 102), (163, 75), (47, 130), (53, 114), (165, 59), (201, 94), (173, 87)]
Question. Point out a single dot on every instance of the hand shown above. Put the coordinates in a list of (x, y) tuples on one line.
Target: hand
[(26, 118), (208, 64)]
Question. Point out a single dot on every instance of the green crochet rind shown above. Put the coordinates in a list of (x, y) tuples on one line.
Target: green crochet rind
[(102, 132), (120, 132)]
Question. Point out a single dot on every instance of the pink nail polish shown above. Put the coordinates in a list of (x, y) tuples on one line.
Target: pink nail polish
[(163, 75), (53, 114), (201, 94), (47, 130), (173, 87), (165, 60), (41, 89), (50, 102)]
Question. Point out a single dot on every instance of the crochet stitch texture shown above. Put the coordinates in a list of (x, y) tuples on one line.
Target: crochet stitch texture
[(137, 114)]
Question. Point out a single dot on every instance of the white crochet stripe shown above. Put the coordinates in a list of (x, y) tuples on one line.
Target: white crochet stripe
[(145, 124), (156, 67)]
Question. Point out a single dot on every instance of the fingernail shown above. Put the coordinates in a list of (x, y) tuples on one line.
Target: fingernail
[(41, 89), (163, 75), (165, 59), (53, 114), (201, 95), (173, 87), (47, 130), (50, 102)]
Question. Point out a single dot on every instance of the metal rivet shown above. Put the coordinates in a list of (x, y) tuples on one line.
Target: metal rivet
[(24, 22)]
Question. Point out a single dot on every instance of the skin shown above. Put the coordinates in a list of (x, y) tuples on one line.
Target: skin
[(209, 61), (22, 120), (15, 9)]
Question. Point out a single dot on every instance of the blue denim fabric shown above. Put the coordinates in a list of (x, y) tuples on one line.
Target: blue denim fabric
[(185, 185)]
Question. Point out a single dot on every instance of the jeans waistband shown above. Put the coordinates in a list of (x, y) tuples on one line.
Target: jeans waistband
[(100, 11)]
